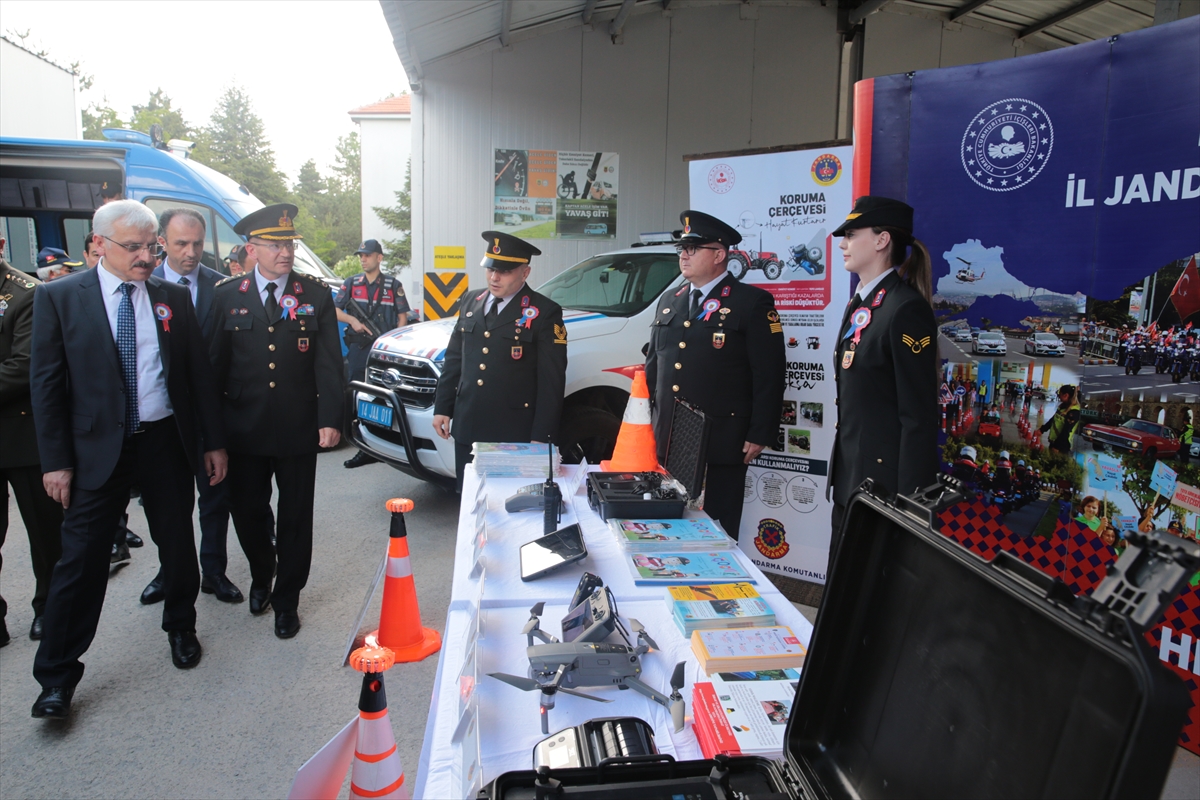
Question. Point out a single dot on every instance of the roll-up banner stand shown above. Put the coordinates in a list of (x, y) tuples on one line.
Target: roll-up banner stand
[(786, 204)]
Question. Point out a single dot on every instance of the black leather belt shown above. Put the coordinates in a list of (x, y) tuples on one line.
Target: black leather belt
[(149, 426)]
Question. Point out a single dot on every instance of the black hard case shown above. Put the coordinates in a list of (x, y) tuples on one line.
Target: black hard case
[(932, 673)]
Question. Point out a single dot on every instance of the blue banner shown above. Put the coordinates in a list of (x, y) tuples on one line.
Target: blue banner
[(1040, 177)]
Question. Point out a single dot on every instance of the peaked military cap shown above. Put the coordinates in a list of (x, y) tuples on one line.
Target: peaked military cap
[(701, 228), (506, 252), (53, 257), (878, 212), (275, 223), (111, 189), (369, 246)]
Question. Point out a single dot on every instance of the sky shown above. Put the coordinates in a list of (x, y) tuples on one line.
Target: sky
[(304, 63)]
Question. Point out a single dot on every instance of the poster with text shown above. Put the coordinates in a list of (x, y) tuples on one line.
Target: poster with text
[(786, 205), (555, 194)]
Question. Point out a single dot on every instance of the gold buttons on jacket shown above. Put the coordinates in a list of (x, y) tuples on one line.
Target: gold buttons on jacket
[(272, 384), (682, 345), (271, 347), (687, 323), (674, 388), (485, 351), (270, 329), (486, 334), (678, 365), (271, 365), (879, 461), (479, 382), (483, 366), (527, 405)]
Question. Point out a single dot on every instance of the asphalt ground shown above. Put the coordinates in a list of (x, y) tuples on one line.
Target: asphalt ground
[(256, 707)]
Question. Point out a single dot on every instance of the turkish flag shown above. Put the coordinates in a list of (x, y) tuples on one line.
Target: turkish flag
[(1186, 294)]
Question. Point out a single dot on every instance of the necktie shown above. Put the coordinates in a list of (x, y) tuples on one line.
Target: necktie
[(185, 281), (272, 306), (127, 346), (695, 307), (490, 316)]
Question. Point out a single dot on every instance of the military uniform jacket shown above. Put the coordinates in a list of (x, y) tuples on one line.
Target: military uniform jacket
[(887, 397), (381, 302), (728, 361), (280, 380), (505, 382), (18, 442)]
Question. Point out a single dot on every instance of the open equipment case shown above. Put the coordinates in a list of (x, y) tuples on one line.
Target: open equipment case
[(932, 673), (621, 495)]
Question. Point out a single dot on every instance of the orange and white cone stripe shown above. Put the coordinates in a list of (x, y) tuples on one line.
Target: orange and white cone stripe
[(377, 769), (635, 450), (400, 627)]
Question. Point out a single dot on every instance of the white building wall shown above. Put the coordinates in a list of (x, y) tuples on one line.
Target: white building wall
[(38, 100), (701, 80), (386, 143)]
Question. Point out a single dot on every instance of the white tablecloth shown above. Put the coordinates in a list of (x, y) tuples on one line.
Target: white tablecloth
[(509, 725)]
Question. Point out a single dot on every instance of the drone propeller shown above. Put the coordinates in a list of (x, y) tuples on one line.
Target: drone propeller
[(678, 707), (641, 632), (524, 684)]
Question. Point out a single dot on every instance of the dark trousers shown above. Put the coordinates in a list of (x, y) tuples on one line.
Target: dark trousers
[(250, 504), (356, 360), (214, 528), (43, 523), (462, 457), (156, 461), (835, 540), (724, 490)]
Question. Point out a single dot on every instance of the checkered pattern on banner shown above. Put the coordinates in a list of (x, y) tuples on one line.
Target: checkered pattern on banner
[(1078, 557)]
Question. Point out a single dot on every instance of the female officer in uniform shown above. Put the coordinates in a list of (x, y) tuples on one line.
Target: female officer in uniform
[(886, 360)]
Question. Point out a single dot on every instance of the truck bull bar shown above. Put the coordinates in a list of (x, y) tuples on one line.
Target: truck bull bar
[(400, 425)]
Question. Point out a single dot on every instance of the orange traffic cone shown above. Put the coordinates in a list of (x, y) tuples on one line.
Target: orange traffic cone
[(635, 450), (377, 771), (400, 618)]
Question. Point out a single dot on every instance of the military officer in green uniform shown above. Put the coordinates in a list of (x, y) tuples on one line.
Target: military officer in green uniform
[(278, 367), (19, 462), (718, 344), (506, 365)]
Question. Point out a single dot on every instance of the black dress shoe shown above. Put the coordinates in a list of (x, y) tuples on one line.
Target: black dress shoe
[(132, 539), (54, 702), (222, 587), (153, 593), (35, 630), (360, 459), (260, 600), (185, 648), (120, 554), (287, 624)]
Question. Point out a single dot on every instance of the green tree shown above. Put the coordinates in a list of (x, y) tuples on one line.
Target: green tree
[(316, 236), (348, 163), (333, 202), (97, 117), (235, 143), (347, 267), (399, 219), (158, 111)]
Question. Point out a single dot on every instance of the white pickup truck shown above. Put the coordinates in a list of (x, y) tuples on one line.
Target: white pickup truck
[(608, 302)]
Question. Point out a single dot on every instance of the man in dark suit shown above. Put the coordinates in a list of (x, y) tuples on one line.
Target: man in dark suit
[(718, 344), (506, 365), (278, 365), (19, 463), (143, 410), (182, 236)]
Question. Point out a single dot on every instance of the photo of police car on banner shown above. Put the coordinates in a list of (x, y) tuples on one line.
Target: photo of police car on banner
[(785, 205)]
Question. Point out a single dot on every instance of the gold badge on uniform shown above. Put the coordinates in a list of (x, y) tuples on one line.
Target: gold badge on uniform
[(916, 345), (719, 340), (302, 344), (773, 318), (560, 334), (847, 359), (517, 352)]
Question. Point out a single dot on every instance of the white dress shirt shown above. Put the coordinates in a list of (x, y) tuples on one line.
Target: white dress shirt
[(171, 276), (706, 288), (499, 303), (865, 289), (261, 282), (153, 401)]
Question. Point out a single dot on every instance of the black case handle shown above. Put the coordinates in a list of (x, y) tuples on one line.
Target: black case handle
[(647, 758)]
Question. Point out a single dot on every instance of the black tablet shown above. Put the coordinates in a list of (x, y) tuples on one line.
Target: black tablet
[(552, 551)]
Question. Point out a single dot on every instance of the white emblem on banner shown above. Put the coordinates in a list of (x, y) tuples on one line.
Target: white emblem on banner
[(1007, 144)]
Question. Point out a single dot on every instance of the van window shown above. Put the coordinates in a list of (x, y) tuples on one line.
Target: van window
[(226, 241), (21, 245), (208, 259), (73, 232), (614, 284)]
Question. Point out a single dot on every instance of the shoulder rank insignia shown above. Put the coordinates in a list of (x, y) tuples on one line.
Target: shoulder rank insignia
[(773, 318), (916, 345), (560, 333)]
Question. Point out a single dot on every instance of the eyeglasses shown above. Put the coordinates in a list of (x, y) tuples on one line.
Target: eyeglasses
[(154, 248), (690, 249), (275, 247)]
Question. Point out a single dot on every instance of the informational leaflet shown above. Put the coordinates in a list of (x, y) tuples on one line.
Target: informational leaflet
[(555, 194), (744, 713)]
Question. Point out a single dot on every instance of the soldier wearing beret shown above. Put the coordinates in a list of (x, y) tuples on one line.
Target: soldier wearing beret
[(718, 344), (506, 365), (19, 461), (279, 369), (885, 361)]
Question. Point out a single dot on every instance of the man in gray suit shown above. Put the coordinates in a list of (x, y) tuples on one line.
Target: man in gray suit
[(182, 236)]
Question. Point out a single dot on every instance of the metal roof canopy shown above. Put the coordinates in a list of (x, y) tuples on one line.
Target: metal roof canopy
[(425, 32)]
